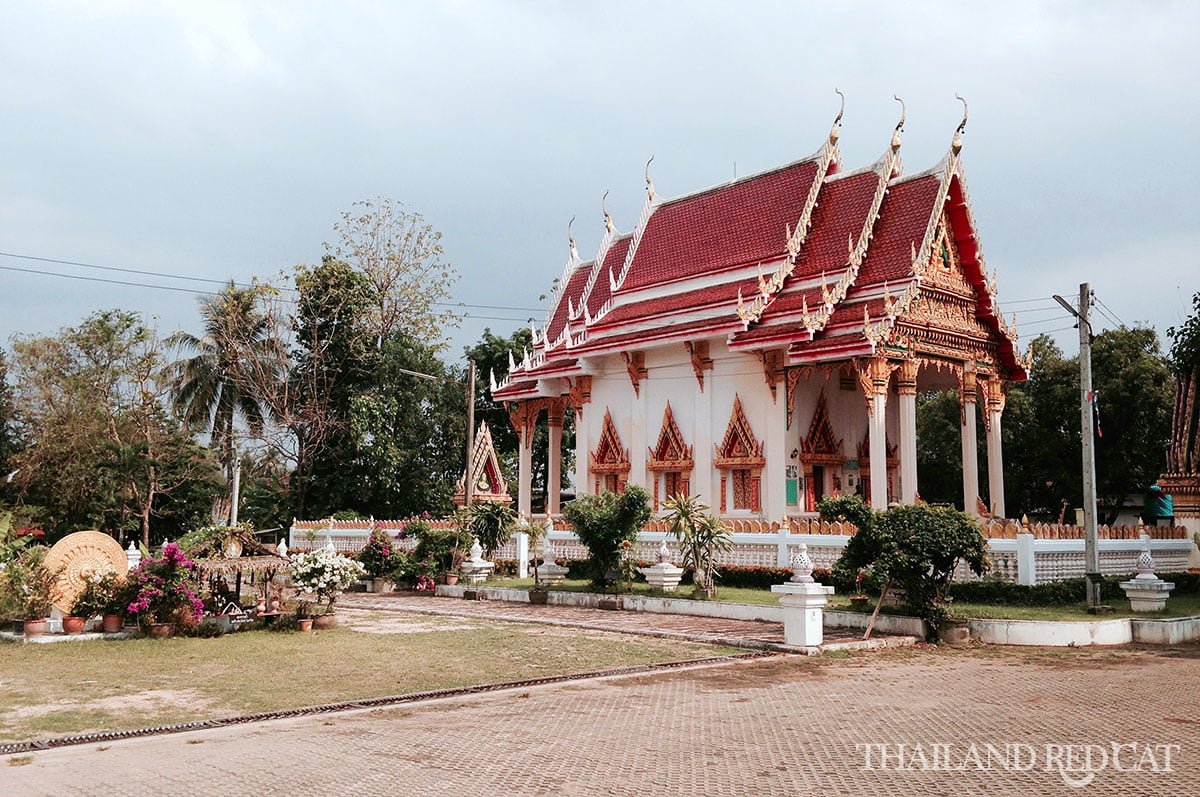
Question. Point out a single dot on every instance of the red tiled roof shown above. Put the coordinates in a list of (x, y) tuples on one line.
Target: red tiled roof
[(903, 219), (726, 226), (573, 290), (614, 259)]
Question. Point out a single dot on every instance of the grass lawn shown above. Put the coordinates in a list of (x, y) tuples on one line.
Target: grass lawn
[(72, 687), (1181, 605)]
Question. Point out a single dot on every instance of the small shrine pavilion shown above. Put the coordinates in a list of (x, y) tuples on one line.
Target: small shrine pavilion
[(760, 344)]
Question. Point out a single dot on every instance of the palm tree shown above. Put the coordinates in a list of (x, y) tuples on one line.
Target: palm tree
[(702, 537), (213, 389)]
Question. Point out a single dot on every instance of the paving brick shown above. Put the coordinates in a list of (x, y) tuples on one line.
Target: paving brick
[(788, 725)]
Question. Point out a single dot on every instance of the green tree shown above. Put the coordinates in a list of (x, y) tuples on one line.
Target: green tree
[(400, 257), (602, 522), (101, 447), (1040, 429), (1184, 453), (214, 389), (408, 436), (8, 433)]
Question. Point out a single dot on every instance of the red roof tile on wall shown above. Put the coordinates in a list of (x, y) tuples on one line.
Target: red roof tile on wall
[(613, 261)]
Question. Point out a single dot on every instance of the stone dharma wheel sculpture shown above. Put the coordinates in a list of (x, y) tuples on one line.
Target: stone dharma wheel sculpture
[(79, 557)]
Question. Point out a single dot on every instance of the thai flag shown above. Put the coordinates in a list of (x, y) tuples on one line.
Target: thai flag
[(1094, 397)]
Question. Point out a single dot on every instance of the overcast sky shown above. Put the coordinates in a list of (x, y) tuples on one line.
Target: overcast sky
[(221, 140)]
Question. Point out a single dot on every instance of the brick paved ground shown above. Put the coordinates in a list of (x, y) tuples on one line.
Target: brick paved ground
[(788, 725), (742, 633)]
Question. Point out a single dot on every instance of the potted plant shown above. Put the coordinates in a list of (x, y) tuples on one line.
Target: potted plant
[(702, 537), (324, 574), (538, 595), (34, 586), (163, 590), (859, 599), (101, 596), (304, 618)]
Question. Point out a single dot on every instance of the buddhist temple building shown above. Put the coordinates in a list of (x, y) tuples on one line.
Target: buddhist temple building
[(760, 344)]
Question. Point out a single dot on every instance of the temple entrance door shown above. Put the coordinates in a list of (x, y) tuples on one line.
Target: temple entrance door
[(818, 483)]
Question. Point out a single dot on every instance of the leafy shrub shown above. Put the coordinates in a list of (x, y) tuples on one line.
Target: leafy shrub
[(105, 593), (602, 522), (917, 549), (163, 588), (377, 555), (445, 548), (702, 537), (490, 523), (27, 586)]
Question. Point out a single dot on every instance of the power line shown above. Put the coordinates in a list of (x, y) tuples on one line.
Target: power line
[(1116, 319), (207, 280), (192, 291)]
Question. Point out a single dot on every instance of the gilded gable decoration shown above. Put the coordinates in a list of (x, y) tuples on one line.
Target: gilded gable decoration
[(487, 479), (609, 462)]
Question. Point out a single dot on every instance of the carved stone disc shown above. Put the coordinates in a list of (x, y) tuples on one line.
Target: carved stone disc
[(80, 556)]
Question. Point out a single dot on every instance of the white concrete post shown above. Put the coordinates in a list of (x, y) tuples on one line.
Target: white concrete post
[(781, 549), (522, 554), (906, 382), (1026, 559), (132, 555), (970, 455), (803, 602)]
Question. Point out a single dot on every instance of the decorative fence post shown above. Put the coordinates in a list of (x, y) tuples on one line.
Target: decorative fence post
[(132, 555), (522, 554), (1026, 556), (781, 555)]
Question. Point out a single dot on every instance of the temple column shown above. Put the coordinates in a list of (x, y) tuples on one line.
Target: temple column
[(703, 476), (906, 384), (776, 451), (873, 376), (554, 477), (523, 416), (968, 388), (994, 391)]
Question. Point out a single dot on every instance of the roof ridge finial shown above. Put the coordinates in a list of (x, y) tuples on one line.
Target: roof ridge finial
[(835, 130), (571, 240), (956, 144), (899, 125), (649, 182), (608, 222)]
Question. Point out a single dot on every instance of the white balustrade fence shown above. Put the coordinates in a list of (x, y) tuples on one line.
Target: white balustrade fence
[(1024, 559)]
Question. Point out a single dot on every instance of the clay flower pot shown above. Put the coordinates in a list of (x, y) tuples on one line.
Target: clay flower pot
[(112, 623), (451, 579), (161, 630), (323, 622), (73, 625), (34, 627), (306, 624)]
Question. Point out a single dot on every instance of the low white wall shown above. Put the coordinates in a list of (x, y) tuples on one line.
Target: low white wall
[(1165, 632), (1053, 633)]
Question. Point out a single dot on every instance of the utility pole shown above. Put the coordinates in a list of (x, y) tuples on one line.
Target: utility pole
[(469, 479), (1087, 423)]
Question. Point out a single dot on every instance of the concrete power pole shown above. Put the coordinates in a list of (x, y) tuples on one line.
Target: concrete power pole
[(468, 479), (1087, 424)]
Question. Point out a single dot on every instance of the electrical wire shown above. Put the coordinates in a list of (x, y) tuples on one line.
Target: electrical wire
[(1116, 319), (207, 280)]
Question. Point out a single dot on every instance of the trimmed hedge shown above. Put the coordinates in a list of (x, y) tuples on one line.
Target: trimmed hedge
[(1054, 593)]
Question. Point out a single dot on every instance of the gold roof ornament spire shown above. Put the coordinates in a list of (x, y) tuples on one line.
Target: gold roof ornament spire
[(608, 222), (899, 125), (956, 143), (836, 129), (649, 182)]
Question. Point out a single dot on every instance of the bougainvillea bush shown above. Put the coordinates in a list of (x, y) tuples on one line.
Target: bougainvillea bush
[(325, 574), (378, 556), (164, 589)]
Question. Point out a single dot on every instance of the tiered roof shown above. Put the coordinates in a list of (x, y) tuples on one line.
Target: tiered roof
[(823, 264)]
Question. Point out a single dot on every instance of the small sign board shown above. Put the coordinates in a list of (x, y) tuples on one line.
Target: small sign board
[(237, 615)]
